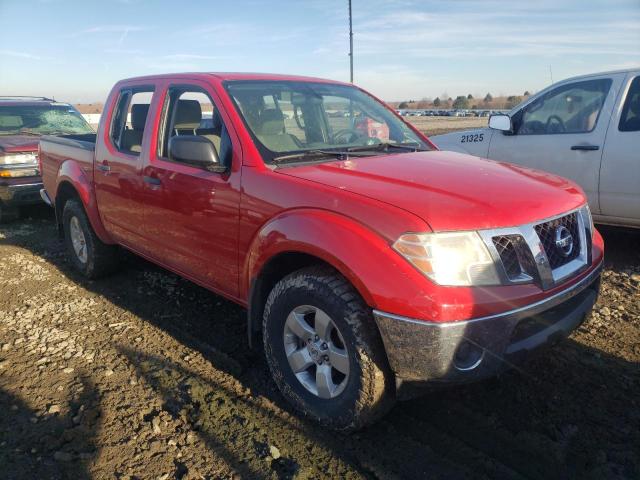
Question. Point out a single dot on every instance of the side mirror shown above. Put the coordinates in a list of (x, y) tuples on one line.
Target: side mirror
[(501, 122), (195, 150)]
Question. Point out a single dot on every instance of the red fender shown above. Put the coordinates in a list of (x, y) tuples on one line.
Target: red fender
[(382, 277), (71, 172)]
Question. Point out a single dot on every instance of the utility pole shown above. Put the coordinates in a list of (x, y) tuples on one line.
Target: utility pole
[(350, 44), (551, 74)]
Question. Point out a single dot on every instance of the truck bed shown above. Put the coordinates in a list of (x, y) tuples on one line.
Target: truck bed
[(56, 149), (85, 141)]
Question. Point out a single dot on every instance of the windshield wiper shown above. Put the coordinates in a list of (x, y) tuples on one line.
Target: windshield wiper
[(384, 146), (312, 154)]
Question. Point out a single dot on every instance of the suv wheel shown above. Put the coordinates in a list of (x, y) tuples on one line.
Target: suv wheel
[(89, 255), (324, 350)]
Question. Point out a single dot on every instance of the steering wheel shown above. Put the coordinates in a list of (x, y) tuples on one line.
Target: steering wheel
[(559, 124), (346, 135)]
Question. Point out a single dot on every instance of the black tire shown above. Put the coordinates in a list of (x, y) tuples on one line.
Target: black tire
[(101, 259), (369, 389), (8, 214)]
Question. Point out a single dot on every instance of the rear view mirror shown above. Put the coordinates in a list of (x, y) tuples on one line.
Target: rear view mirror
[(501, 122), (196, 151)]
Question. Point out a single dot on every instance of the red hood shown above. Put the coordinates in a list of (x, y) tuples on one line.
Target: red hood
[(451, 191), (18, 143)]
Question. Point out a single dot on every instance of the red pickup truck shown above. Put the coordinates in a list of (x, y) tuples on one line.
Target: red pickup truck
[(22, 121), (368, 260)]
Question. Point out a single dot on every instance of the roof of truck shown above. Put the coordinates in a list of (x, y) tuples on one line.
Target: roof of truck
[(598, 74), (236, 76)]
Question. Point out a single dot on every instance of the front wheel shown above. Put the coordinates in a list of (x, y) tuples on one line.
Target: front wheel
[(88, 254), (324, 350)]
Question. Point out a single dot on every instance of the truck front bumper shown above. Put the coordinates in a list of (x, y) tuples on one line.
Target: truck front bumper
[(16, 194), (420, 351)]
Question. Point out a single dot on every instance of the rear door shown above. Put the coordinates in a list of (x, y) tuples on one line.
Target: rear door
[(620, 174), (562, 131), (192, 214), (118, 164)]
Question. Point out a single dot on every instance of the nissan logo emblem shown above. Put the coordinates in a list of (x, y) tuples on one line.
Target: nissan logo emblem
[(564, 240)]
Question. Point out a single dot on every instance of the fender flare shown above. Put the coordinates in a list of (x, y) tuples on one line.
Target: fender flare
[(72, 174), (361, 255), (301, 231)]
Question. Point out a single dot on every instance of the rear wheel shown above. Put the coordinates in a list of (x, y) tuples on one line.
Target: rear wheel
[(324, 350), (88, 254)]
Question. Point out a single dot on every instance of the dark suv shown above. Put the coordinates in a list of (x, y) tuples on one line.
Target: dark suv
[(22, 121)]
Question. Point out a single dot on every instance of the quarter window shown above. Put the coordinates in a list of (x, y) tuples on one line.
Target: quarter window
[(630, 118), (572, 108), (129, 120)]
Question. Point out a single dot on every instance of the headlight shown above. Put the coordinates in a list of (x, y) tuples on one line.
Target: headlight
[(19, 159), (451, 258)]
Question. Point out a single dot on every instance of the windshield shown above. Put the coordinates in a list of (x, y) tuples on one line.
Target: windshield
[(288, 117), (41, 120)]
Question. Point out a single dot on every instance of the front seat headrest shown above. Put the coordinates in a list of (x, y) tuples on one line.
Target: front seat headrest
[(271, 122), (188, 115), (139, 113)]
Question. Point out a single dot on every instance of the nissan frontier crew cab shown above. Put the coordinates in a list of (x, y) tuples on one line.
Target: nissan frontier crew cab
[(368, 260)]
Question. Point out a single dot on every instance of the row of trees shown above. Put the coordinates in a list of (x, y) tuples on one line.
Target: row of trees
[(465, 102)]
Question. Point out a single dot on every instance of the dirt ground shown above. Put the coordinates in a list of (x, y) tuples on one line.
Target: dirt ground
[(440, 125), (145, 375)]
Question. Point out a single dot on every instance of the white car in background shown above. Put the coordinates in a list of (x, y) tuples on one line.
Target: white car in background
[(584, 128)]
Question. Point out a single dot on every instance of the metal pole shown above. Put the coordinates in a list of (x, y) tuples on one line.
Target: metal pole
[(350, 44)]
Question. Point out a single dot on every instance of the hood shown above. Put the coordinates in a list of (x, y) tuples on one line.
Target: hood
[(450, 191), (18, 143)]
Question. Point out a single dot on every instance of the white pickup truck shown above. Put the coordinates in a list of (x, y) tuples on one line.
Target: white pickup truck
[(584, 128)]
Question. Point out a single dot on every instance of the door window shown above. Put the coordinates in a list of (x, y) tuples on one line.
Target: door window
[(630, 118), (129, 120), (572, 108), (190, 111)]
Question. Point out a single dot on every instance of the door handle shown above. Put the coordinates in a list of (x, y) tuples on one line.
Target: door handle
[(585, 147), (152, 181), (103, 167)]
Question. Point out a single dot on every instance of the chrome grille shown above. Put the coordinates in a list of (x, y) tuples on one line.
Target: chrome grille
[(547, 234), (506, 247), (539, 251), (515, 256)]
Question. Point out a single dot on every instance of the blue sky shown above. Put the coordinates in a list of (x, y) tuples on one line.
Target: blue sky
[(76, 50)]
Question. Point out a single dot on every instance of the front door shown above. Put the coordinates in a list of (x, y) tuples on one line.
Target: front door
[(191, 214), (118, 184), (620, 177), (562, 132)]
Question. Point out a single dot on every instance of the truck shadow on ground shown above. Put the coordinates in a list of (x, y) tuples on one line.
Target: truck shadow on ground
[(573, 412), (48, 445)]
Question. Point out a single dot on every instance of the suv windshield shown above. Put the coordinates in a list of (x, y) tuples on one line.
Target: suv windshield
[(288, 117), (41, 120)]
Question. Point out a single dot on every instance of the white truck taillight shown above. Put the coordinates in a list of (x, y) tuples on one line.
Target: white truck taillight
[(14, 165)]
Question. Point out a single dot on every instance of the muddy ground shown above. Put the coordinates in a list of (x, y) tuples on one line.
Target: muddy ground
[(145, 375)]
